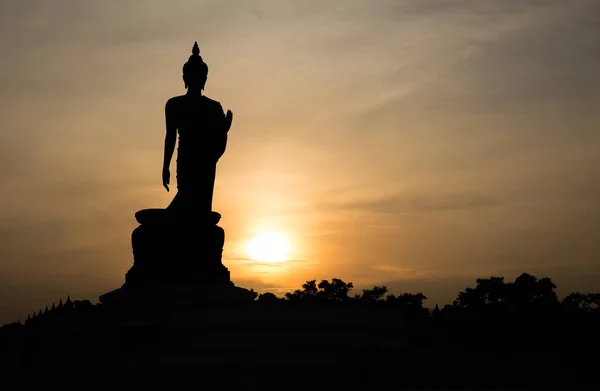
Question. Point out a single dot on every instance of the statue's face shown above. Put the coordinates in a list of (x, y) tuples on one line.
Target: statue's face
[(194, 80)]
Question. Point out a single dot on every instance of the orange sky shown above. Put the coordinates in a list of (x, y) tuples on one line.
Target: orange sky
[(420, 144)]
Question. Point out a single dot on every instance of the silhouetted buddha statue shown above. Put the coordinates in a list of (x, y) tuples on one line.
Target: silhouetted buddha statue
[(202, 127), (183, 244)]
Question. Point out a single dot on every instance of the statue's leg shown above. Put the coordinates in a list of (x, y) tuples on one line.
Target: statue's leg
[(201, 192), (209, 189), (195, 196)]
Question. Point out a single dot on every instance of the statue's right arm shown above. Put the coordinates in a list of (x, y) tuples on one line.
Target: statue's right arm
[(171, 136)]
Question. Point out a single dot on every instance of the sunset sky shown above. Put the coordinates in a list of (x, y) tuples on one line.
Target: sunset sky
[(414, 143)]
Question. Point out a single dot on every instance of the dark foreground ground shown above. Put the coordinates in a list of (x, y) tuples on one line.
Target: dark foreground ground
[(297, 347), (407, 370)]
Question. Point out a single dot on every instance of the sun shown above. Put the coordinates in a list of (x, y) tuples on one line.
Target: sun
[(269, 247)]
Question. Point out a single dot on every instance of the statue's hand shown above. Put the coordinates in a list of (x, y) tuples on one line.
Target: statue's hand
[(166, 177), (228, 120)]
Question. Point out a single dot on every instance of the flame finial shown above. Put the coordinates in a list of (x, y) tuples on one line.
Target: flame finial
[(196, 49)]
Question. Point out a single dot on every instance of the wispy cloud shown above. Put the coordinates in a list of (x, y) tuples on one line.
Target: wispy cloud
[(258, 266), (415, 204)]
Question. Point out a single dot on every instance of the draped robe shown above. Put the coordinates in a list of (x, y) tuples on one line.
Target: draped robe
[(202, 138)]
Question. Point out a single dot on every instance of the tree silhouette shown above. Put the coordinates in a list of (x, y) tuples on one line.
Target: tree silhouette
[(526, 292), (594, 301), (336, 290), (267, 297), (373, 295), (308, 292), (581, 302), (411, 304), (310, 288), (529, 292)]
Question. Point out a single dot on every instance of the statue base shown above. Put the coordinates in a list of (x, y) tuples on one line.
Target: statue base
[(176, 264), (152, 305), (177, 250)]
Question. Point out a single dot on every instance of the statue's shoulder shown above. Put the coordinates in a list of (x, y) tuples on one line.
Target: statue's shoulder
[(175, 101), (213, 102)]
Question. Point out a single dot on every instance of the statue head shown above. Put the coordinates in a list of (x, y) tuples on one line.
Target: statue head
[(195, 70)]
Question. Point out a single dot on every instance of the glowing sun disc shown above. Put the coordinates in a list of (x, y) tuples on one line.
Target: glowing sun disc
[(269, 247)]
